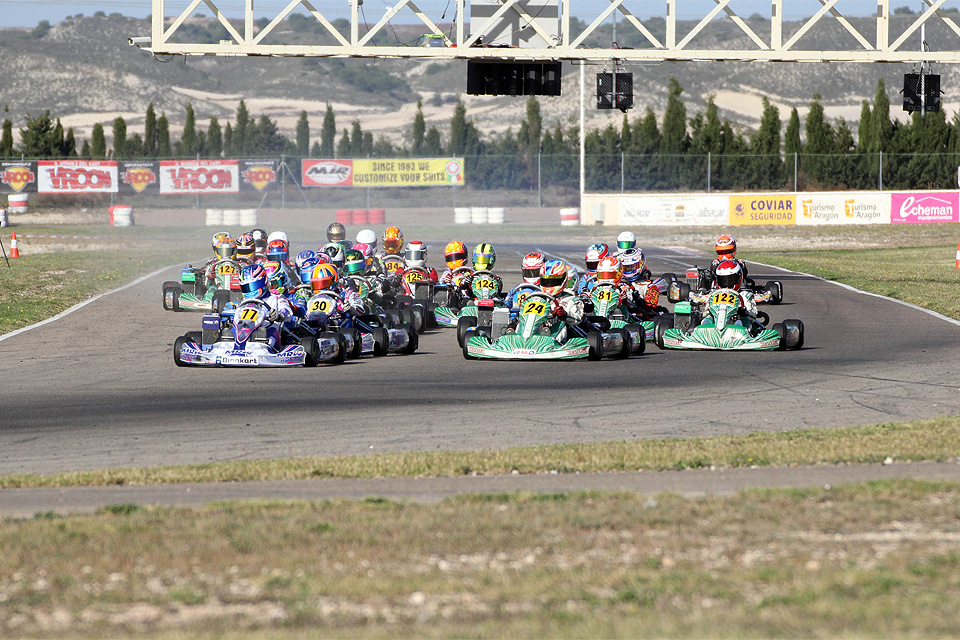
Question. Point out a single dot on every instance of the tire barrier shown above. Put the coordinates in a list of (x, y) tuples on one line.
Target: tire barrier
[(18, 202), (360, 217), (495, 215), (478, 215), (570, 216), (231, 217), (248, 218), (4, 220), (344, 216), (461, 215), (378, 216), (121, 215), (214, 217)]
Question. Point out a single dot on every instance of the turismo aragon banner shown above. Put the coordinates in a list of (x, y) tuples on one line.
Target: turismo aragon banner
[(406, 172), (76, 176), (843, 207), (199, 176), (18, 177), (139, 176)]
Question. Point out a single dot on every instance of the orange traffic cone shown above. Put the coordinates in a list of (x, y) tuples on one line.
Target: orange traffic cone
[(15, 252), (958, 256)]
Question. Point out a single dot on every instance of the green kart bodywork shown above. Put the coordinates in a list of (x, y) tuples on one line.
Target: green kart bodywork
[(606, 298), (722, 328), (188, 297), (482, 288)]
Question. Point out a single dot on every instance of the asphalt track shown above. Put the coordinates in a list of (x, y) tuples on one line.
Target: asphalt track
[(98, 388)]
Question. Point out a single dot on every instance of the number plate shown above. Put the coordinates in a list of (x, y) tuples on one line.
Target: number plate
[(724, 297)]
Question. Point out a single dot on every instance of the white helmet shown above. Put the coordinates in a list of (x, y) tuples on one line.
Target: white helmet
[(367, 236), (626, 240), (415, 254), (278, 235)]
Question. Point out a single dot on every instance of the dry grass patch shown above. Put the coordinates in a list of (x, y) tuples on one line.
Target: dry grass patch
[(870, 560), (931, 439)]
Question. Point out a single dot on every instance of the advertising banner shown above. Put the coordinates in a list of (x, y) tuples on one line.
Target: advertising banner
[(76, 176), (141, 176), (674, 210), (842, 208), (258, 175), (768, 208), (407, 172), (199, 176), (924, 206), (18, 177)]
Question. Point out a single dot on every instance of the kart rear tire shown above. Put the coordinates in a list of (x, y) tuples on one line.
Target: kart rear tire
[(643, 337), (413, 342), (669, 277), (660, 326), (177, 345), (602, 322), (683, 291), (595, 344), (793, 334), (357, 342), (175, 302), (626, 347), (776, 291), (381, 342), (418, 317), (220, 300), (312, 348), (646, 274), (169, 284), (465, 324)]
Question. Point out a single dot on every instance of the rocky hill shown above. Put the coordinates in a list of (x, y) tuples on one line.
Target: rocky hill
[(83, 71)]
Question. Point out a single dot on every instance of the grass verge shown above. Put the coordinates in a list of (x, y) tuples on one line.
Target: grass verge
[(867, 560), (930, 439)]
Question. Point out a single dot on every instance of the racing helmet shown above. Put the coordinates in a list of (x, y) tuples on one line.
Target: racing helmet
[(631, 264), (303, 256), (608, 270), (626, 240), (354, 264), (336, 253), (595, 253), (307, 268), (226, 249), (531, 267), (276, 277), (278, 251), (322, 276), (336, 232), (367, 252), (415, 254), (455, 254), (726, 246), (393, 241), (277, 235), (323, 257), (259, 239), (553, 276), (484, 257), (729, 275), (367, 236), (246, 246), (253, 281), (217, 237)]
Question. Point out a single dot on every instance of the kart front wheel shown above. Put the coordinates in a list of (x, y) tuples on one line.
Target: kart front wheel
[(660, 326), (464, 324), (381, 341), (312, 349), (167, 288), (175, 298), (776, 291), (595, 343), (220, 300), (625, 347), (640, 348), (791, 336), (177, 346), (466, 339), (413, 339)]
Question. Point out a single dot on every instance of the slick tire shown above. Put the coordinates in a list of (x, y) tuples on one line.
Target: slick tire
[(357, 342), (413, 339), (660, 326), (776, 291), (469, 334), (312, 349), (595, 344), (640, 348), (168, 286), (381, 342), (626, 347), (465, 324), (220, 300), (792, 334), (175, 299), (177, 345)]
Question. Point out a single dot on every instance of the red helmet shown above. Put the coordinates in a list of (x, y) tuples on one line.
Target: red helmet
[(595, 253), (726, 246), (608, 270), (531, 267), (729, 275)]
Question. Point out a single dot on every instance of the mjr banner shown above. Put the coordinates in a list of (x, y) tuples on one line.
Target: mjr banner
[(77, 176), (258, 175), (407, 172), (18, 177), (139, 176), (199, 176)]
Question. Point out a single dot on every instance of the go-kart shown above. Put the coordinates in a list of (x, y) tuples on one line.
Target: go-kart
[(193, 294), (700, 280), (538, 337), (714, 321), (451, 298), (605, 299), (417, 290), (238, 338), (364, 333)]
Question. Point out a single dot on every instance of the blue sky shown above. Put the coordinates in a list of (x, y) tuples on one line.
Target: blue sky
[(27, 13)]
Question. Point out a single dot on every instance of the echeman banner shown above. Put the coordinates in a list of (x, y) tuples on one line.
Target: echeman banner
[(199, 176), (407, 172), (18, 177), (924, 206), (139, 176), (258, 175), (76, 176)]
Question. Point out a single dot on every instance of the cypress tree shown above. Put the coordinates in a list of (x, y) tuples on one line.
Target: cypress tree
[(303, 135), (791, 144), (328, 134), (150, 133), (98, 144), (214, 142), (189, 145), (119, 137), (227, 140), (419, 129), (432, 145), (674, 141), (765, 148), (85, 152), (458, 129), (163, 137), (239, 142), (6, 140), (70, 144), (821, 144)]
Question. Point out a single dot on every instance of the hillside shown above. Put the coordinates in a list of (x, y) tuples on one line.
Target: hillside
[(83, 71)]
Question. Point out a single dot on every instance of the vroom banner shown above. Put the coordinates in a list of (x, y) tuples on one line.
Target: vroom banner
[(140, 176), (77, 176), (199, 176), (18, 177), (408, 172), (258, 175)]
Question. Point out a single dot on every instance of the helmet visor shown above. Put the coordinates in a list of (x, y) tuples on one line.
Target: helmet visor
[(531, 272), (354, 268), (456, 258), (482, 262), (592, 263), (728, 280), (552, 281), (251, 288), (392, 245), (626, 244), (321, 283)]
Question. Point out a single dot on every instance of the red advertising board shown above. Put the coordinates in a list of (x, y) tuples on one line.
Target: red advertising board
[(327, 173), (77, 176), (199, 176)]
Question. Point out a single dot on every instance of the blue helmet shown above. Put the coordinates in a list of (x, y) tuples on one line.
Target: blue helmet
[(253, 281), (303, 256), (306, 269), (278, 251)]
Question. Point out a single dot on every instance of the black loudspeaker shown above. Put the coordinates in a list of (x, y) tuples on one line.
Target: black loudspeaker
[(911, 92), (619, 98), (513, 78)]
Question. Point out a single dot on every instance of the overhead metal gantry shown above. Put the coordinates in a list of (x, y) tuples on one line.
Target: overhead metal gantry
[(548, 33)]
